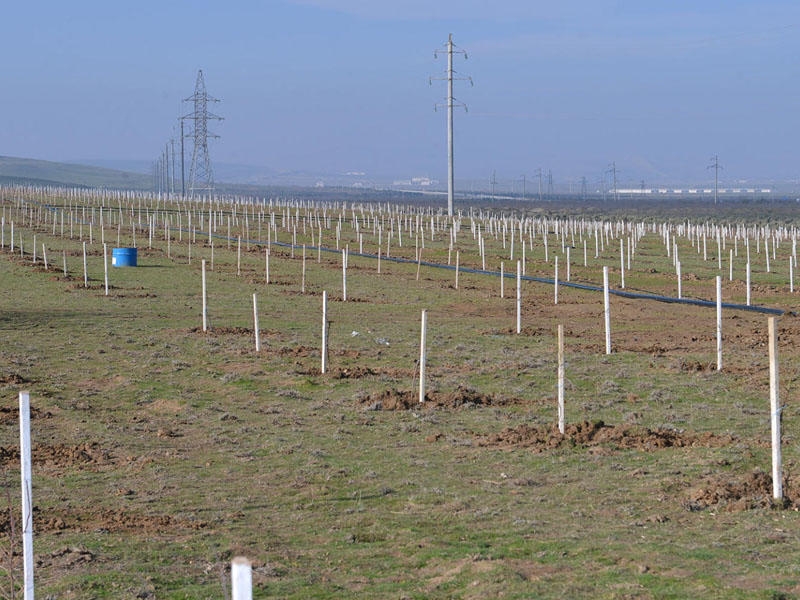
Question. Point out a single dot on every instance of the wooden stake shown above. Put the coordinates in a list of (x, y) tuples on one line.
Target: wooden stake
[(27, 499)]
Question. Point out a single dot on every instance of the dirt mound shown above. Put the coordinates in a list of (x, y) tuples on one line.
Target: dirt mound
[(107, 520), (405, 400), (12, 379), (731, 494), (223, 331), (10, 414), (59, 456), (597, 433)]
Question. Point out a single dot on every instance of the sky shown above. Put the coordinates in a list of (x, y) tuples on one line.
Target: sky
[(656, 87)]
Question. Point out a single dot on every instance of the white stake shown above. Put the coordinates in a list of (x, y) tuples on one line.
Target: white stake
[(458, 258), (205, 298), (303, 279), (324, 351), (519, 297), (27, 498), (719, 323), (105, 266), (241, 579), (255, 324), (502, 280), (678, 273), (344, 275), (561, 410), (748, 283), (85, 270), (606, 310), (775, 411), (422, 344), (555, 282), (622, 263)]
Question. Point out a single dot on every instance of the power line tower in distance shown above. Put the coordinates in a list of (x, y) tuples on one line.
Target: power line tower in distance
[(450, 76), (716, 166), (201, 175)]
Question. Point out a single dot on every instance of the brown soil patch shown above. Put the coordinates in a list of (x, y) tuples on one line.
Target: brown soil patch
[(12, 379), (592, 434), (736, 493), (10, 414), (405, 400), (83, 456), (106, 520)]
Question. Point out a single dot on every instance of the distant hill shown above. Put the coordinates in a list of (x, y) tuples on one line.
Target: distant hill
[(42, 172)]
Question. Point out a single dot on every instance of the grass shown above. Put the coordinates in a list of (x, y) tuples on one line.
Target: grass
[(206, 450)]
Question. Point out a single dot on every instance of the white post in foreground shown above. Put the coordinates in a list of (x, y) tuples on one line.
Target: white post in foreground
[(622, 263), (555, 282), (205, 299), (324, 350), (422, 343), (27, 502), (255, 324), (241, 579), (561, 408), (519, 297), (503, 279), (105, 266), (680, 282), (344, 275), (775, 411), (85, 269), (719, 323), (748, 283), (606, 310)]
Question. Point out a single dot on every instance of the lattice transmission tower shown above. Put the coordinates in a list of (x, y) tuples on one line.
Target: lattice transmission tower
[(201, 175)]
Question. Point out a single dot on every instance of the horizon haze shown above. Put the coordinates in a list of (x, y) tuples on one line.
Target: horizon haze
[(341, 86)]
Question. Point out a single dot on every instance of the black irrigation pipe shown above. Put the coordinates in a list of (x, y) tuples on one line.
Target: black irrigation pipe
[(580, 286)]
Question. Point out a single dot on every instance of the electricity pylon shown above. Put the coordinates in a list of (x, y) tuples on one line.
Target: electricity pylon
[(451, 102), (716, 166), (201, 176)]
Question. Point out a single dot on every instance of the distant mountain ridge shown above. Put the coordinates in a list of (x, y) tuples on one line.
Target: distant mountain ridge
[(29, 171)]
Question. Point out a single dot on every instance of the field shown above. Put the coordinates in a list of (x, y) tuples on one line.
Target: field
[(161, 451)]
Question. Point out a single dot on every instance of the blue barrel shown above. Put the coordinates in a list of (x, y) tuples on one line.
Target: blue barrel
[(123, 257)]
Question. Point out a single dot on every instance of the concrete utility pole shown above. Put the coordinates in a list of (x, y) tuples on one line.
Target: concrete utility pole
[(716, 166), (613, 171), (549, 184), (493, 182), (451, 102), (539, 173)]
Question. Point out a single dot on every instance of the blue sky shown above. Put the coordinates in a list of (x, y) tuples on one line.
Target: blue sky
[(329, 86)]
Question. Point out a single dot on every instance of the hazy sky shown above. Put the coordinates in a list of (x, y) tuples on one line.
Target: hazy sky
[(658, 86)]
